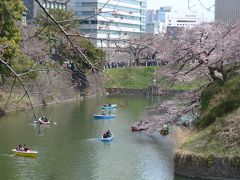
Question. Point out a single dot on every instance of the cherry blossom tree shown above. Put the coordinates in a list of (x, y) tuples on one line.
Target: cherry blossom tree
[(208, 48)]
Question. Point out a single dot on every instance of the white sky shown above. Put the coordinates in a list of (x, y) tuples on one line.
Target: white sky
[(182, 6)]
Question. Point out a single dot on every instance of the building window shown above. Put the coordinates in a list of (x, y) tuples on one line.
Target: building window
[(52, 5)]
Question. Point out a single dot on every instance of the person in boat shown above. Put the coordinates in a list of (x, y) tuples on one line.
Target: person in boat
[(103, 113), (25, 148), (19, 148), (108, 133), (109, 105), (109, 113), (140, 123), (44, 119), (104, 135)]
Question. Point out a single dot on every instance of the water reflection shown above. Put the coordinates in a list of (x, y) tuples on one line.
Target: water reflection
[(70, 149)]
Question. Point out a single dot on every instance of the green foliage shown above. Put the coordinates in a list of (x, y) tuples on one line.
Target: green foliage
[(132, 78), (209, 160), (236, 161), (95, 55), (188, 86), (10, 12), (210, 92), (218, 122), (60, 15), (22, 64), (166, 82), (218, 100), (57, 40)]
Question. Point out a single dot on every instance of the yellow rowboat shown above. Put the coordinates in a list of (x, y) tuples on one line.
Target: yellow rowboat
[(28, 153)]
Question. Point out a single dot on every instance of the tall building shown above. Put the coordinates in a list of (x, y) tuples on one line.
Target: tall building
[(33, 7), (156, 20), (150, 16), (113, 20), (150, 22), (227, 11), (161, 13)]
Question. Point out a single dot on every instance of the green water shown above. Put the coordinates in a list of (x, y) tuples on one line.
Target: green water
[(70, 149)]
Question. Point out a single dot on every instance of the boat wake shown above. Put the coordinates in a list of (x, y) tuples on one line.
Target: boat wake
[(7, 155), (91, 139)]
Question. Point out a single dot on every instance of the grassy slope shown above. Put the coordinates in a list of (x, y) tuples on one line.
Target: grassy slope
[(142, 77), (133, 78), (219, 122), (166, 83)]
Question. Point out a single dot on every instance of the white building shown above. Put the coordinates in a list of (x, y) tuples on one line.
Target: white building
[(155, 23), (32, 7), (175, 19), (115, 20)]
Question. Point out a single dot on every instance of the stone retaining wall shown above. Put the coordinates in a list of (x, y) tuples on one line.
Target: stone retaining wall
[(150, 91), (207, 167)]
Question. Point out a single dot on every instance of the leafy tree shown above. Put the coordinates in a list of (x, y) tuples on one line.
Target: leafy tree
[(64, 51), (95, 55), (11, 11), (64, 18)]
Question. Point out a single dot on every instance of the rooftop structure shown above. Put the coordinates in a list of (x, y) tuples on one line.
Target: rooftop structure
[(182, 20)]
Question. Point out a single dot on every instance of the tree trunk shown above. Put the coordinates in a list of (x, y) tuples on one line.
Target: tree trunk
[(212, 74)]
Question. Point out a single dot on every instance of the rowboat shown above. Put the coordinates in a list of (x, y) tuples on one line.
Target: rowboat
[(138, 128), (43, 122), (108, 106), (101, 116), (28, 153), (165, 130), (108, 139)]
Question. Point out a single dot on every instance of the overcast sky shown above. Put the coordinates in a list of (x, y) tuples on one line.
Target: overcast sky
[(198, 6)]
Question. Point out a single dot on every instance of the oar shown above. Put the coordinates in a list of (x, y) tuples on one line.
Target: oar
[(51, 118)]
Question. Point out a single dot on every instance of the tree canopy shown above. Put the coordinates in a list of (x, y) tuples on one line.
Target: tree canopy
[(11, 13), (63, 50)]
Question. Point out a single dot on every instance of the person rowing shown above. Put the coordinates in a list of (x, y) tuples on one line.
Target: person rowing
[(107, 134), (19, 148), (23, 148), (44, 119)]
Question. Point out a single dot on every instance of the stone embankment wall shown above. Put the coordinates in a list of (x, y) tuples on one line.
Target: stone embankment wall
[(96, 84), (54, 87), (151, 91), (210, 167)]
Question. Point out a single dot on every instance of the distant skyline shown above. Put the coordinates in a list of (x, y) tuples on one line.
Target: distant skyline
[(198, 6)]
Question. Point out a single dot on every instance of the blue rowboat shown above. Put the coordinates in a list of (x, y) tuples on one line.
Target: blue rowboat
[(108, 106), (100, 116), (108, 139)]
